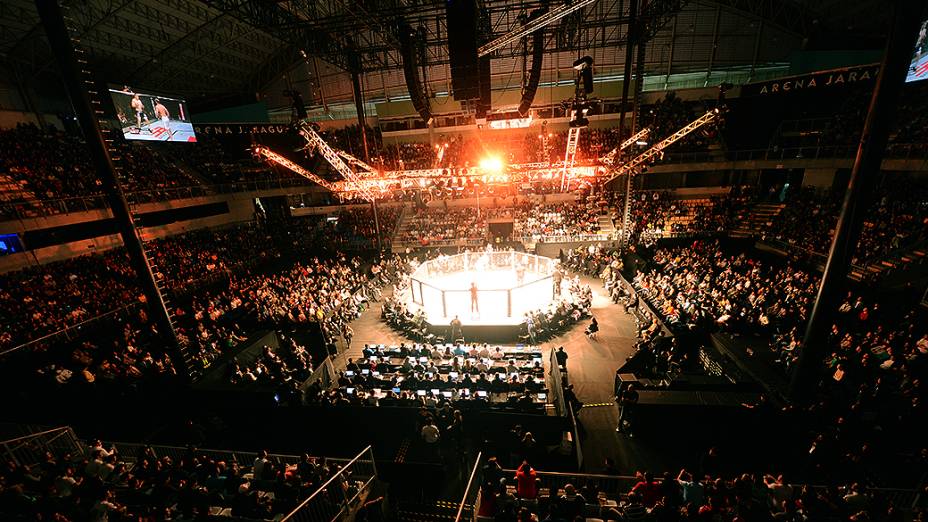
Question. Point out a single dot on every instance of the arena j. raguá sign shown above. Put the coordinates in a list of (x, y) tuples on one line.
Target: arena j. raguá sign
[(233, 129), (816, 80)]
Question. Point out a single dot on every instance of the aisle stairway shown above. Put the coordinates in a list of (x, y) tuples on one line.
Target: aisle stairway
[(14, 190), (403, 225), (753, 221), (441, 510), (895, 262), (606, 226)]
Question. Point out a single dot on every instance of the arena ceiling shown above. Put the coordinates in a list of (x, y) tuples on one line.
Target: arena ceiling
[(218, 47)]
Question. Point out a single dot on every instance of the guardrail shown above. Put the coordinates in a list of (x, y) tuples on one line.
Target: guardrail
[(471, 495), (555, 387), (619, 485), (903, 151), (31, 449), (340, 494), (565, 238)]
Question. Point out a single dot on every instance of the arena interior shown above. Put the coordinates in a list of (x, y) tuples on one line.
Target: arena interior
[(464, 260)]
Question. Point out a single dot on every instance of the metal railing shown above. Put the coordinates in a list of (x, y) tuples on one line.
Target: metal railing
[(565, 238), (471, 493), (615, 485), (903, 151), (31, 449), (336, 499), (129, 452), (555, 387)]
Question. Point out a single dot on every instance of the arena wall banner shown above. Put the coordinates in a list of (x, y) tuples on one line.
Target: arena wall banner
[(816, 80), (241, 129)]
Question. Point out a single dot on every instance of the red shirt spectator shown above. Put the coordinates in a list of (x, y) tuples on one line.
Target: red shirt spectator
[(526, 481), (649, 489)]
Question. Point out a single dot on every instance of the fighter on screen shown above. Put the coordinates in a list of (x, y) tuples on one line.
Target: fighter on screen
[(139, 109), (149, 117), (162, 113)]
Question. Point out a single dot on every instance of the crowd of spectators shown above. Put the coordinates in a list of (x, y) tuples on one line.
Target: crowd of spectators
[(895, 219), (225, 160), (54, 164), (237, 290), (356, 228), (103, 484), (283, 369), (701, 284), (435, 224), (559, 219), (37, 301), (527, 495)]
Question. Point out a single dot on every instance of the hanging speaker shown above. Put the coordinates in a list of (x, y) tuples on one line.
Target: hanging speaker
[(411, 72), (486, 92), (462, 48), (534, 75)]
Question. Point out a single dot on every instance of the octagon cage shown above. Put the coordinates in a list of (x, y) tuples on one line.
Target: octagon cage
[(509, 284)]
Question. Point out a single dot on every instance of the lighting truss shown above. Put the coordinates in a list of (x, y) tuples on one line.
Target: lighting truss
[(570, 155), (284, 162), (530, 172), (366, 170), (531, 26), (609, 159), (315, 142), (658, 148)]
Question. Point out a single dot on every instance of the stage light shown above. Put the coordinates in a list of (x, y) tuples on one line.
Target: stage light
[(641, 143), (491, 165)]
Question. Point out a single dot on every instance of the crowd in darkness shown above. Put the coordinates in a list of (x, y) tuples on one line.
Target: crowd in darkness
[(41, 300), (54, 164), (708, 494), (896, 219), (701, 284), (105, 485), (224, 160)]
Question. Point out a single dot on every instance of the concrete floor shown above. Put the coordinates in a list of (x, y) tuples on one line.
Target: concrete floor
[(591, 367)]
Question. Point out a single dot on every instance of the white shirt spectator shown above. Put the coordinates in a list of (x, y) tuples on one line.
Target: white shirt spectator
[(430, 433)]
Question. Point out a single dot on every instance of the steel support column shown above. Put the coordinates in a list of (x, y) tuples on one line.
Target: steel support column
[(78, 83), (359, 107), (864, 174), (629, 56)]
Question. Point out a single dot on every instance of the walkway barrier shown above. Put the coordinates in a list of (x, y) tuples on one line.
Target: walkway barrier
[(340, 495), (555, 387), (615, 487), (31, 449), (471, 497), (575, 435)]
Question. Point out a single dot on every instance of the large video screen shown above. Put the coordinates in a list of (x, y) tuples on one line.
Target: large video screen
[(152, 117), (918, 69)]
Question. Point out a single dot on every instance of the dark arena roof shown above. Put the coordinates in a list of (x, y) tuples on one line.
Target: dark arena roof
[(415, 260)]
